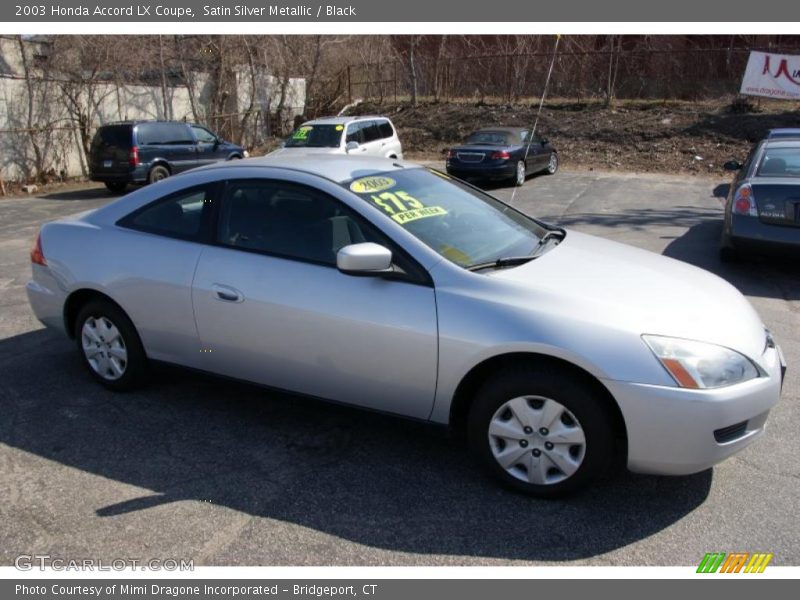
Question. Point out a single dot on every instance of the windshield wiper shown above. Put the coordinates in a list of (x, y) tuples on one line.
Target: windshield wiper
[(506, 261)]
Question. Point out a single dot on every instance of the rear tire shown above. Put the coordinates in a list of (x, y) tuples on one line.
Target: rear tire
[(110, 347), (157, 173), (116, 187), (551, 431), (519, 174), (552, 165)]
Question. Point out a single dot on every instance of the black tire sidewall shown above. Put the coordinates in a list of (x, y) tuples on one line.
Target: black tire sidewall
[(135, 372), (567, 389), (158, 169)]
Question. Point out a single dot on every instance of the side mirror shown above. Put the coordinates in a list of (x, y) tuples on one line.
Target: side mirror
[(350, 146), (545, 141), (364, 259), (732, 165)]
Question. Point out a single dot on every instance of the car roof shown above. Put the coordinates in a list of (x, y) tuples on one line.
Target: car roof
[(779, 132), (141, 121), (503, 129), (342, 120), (336, 167), (784, 142)]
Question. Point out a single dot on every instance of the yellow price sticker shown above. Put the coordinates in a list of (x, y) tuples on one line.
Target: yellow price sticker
[(371, 185), (302, 133), (403, 208), (418, 213)]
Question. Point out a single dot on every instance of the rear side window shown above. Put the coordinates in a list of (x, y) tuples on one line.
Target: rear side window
[(163, 134), (371, 131), (182, 215), (386, 129), (114, 136)]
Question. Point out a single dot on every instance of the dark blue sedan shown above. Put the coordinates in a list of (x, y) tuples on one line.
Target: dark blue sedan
[(502, 153)]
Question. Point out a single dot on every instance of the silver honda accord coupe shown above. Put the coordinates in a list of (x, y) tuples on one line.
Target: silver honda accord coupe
[(390, 286)]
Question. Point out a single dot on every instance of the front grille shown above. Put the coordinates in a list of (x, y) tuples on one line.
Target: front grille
[(730, 433), (470, 157)]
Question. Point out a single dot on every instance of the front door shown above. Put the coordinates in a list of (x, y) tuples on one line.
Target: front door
[(272, 308)]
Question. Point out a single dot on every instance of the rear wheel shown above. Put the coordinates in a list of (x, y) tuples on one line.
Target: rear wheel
[(540, 430), (552, 165), (519, 174), (158, 173), (116, 186), (110, 347)]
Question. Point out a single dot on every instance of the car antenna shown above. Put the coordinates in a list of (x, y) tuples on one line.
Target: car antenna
[(539, 111)]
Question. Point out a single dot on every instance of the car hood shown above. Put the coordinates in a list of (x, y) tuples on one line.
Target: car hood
[(640, 292)]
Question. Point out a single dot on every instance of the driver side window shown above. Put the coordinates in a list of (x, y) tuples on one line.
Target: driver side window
[(289, 220), (203, 135)]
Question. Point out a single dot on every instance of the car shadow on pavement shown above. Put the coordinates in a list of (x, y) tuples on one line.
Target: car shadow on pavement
[(94, 193), (757, 274), (366, 478)]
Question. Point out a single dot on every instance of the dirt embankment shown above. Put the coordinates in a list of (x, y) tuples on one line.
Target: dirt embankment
[(643, 136)]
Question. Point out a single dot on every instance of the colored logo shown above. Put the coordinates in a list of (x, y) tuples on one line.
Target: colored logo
[(783, 70), (735, 562)]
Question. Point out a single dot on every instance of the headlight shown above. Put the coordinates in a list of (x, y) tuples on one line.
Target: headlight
[(700, 365), (246, 154)]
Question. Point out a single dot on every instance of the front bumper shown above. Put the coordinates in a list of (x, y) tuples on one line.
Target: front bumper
[(678, 431)]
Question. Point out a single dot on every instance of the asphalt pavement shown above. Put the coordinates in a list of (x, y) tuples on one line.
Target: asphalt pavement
[(193, 467)]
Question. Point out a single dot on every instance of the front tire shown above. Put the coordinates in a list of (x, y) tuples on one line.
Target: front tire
[(110, 347), (540, 430)]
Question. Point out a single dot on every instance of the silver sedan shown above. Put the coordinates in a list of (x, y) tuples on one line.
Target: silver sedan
[(393, 287)]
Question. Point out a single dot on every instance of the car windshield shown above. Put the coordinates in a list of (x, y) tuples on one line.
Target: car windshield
[(459, 222), (489, 138), (316, 136), (780, 162)]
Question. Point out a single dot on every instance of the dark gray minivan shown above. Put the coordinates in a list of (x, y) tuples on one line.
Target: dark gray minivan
[(147, 151)]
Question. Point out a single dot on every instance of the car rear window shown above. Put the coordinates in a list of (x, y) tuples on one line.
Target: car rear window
[(112, 135), (780, 162), (491, 138)]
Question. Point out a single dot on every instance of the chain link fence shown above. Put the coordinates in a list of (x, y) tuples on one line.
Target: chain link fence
[(673, 74)]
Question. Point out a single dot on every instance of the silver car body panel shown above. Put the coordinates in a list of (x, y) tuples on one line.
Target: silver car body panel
[(404, 348)]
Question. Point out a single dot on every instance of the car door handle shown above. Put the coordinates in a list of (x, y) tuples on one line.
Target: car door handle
[(227, 293)]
